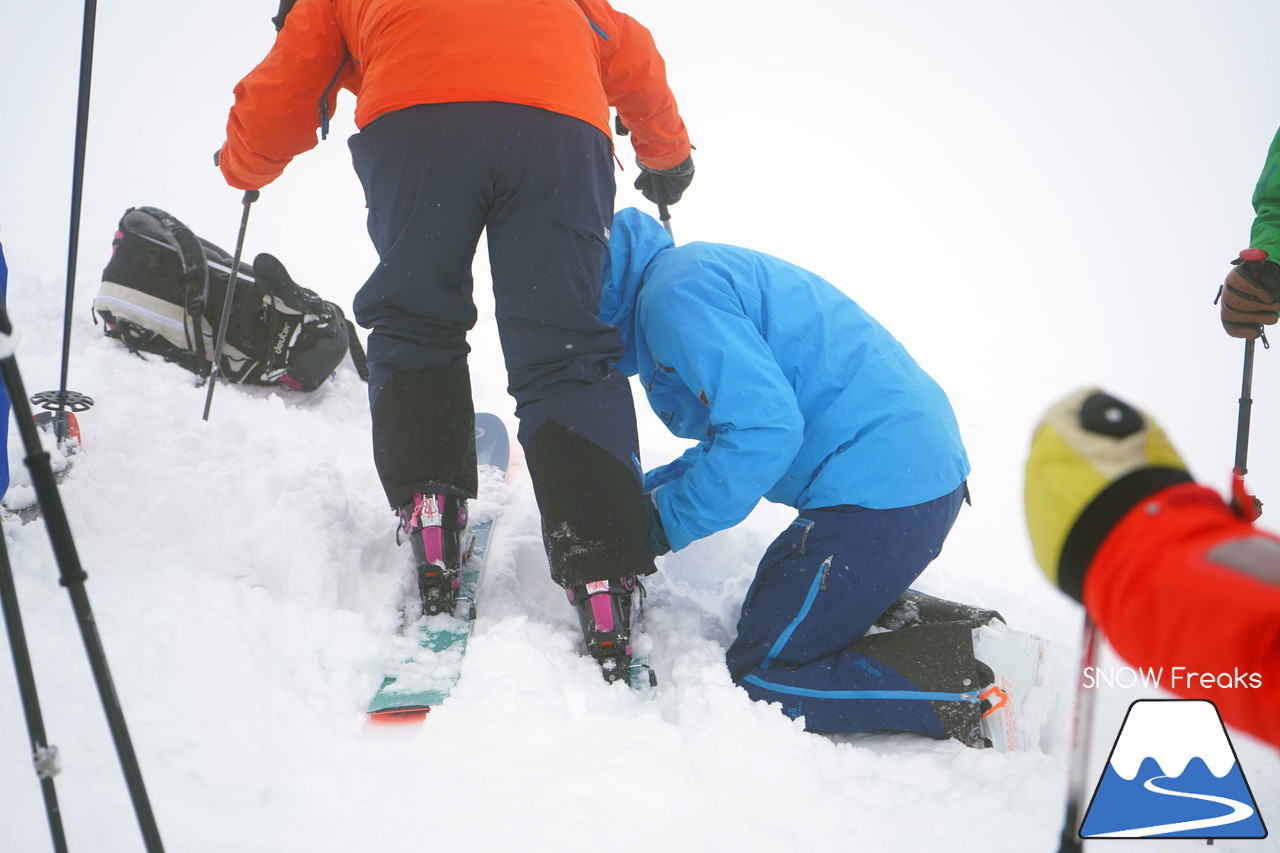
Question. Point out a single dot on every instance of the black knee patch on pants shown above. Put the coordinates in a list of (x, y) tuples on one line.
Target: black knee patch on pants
[(918, 608), (935, 658), (424, 434), (592, 517)]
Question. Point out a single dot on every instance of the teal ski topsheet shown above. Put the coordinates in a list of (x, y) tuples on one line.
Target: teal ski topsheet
[(423, 680)]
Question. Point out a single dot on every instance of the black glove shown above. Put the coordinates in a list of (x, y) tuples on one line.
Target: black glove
[(665, 186), (655, 538), (285, 7)]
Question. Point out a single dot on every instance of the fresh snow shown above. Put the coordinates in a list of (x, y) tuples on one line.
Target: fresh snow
[(1031, 197)]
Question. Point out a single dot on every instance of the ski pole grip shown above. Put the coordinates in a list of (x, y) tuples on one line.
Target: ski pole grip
[(250, 196), (1255, 262)]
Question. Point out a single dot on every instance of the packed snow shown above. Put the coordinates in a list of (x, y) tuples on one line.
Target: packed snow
[(1032, 199)]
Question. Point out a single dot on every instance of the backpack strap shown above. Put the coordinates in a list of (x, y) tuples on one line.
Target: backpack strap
[(324, 97), (274, 280), (357, 352), (195, 276)]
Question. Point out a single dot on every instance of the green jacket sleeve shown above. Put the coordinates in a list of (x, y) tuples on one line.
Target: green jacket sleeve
[(1265, 233)]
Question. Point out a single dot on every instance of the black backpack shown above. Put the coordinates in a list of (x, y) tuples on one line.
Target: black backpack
[(163, 291)]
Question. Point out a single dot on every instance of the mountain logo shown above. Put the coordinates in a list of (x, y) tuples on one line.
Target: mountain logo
[(1173, 773)]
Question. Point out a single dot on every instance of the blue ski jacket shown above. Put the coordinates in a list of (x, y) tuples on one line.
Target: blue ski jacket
[(793, 392)]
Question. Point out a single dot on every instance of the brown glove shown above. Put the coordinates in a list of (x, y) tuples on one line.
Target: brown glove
[(1250, 296)]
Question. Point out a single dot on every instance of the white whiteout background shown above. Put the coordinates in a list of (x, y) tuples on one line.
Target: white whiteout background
[(1033, 197)]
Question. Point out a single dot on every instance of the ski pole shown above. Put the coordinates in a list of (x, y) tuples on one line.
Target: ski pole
[(62, 400), (1081, 742), (1247, 506), (250, 196), (664, 216), (43, 757), (72, 577)]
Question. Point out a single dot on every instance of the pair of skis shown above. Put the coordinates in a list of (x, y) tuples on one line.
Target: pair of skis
[(414, 684)]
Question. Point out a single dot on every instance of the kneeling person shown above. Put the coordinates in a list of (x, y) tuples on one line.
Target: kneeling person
[(797, 395)]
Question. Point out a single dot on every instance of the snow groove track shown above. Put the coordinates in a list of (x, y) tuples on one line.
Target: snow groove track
[(1239, 811)]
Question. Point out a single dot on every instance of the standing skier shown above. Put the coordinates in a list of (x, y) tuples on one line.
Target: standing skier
[(1250, 296), (797, 395), (1172, 576), (493, 117)]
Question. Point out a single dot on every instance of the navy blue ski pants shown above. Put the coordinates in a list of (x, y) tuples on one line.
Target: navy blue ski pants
[(541, 186), (818, 589)]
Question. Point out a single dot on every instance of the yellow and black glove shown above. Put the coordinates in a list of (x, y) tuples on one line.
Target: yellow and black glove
[(1092, 459)]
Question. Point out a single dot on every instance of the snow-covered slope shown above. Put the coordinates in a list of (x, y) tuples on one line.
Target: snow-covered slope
[(1030, 200)]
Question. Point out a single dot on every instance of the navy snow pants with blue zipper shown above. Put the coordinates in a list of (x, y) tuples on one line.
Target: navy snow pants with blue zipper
[(540, 185), (818, 590)]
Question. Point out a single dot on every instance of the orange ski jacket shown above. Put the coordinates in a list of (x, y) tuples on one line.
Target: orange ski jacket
[(574, 57), (1185, 588)]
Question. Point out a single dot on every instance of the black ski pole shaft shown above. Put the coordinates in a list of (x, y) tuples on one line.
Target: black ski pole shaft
[(72, 577), (1244, 504), (77, 179), (664, 216), (1246, 409), (1081, 743), (250, 196), (62, 400), (43, 757)]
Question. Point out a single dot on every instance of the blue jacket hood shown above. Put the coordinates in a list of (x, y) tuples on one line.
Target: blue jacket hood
[(634, 241)]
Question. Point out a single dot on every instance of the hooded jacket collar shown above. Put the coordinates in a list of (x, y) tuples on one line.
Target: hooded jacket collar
[(634, 241)]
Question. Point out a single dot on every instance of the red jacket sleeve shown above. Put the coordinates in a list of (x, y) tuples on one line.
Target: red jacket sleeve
[(634, 76), (276, 111), (1184, 586)]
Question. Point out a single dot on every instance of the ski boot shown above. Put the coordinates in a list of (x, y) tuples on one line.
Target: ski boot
[(606, 610), (1009, 667), (436, 527)]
